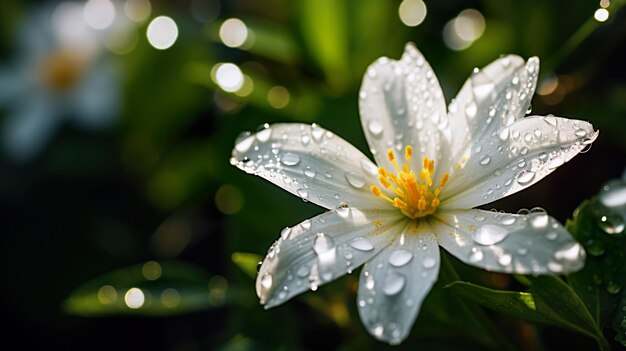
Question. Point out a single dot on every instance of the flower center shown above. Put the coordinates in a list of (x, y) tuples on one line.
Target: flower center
[(62, 70), (415, 195)]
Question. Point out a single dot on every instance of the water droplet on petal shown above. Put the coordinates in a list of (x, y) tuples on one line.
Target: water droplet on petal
[(552, 235), (475, 255), (505, 259), (362, 244), (526, 178), (429, 262), (303, 193), (267, 280), (555, 267), (302, 272), (290, 159), (400, 257), (393, 283), (264, 133), (508, 220), (485, 160), (355, 179), (538, 218), (244, 142), (309, 172), (375, 127), (470, 110), (504, 134), (284, 234), (489, 234), (317, 132), (323, 243), (580, 133)]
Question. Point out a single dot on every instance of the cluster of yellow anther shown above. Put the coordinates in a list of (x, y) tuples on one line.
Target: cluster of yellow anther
[(414, 196)]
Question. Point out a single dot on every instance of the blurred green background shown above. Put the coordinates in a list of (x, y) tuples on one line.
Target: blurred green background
[(125, 226)]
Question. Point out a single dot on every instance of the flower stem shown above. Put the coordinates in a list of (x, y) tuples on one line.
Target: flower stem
[(480, 317)]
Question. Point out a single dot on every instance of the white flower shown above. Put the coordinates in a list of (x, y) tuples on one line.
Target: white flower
[(56, 74), (433, 167)]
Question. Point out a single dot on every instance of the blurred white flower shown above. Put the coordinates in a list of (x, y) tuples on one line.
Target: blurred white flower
[(57, 73), (432, 167)]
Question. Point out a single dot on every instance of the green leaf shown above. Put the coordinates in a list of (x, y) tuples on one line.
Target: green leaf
[(154, 289), (248, 262), (326, 34), (601, 283), (517, 304), (549, 301)]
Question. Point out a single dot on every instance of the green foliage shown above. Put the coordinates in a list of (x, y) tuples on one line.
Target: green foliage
[(165, 288), (602, 283)]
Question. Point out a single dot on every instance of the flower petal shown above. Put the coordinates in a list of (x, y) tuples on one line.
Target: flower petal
[(524, 244), (393, 285), (320, 250), (516, 157), (310, 162), (29, 128), (401, 104), (491, 98)]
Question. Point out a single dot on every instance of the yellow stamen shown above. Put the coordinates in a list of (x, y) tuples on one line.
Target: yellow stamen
[(414, 196)]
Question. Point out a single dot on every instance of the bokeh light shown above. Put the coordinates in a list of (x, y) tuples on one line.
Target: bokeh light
[(229, 199), (162, 32), (170, 298), (99, 14), (601, 15), (233, 32), (460, 32), (278, 97), (412, 12), (138, 10), (134, 298), (229, 77), (151, 270), (107, 295)]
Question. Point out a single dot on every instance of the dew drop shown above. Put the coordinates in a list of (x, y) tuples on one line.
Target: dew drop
[(284, 234), (552, 235), (290, 159), (393, 284), (580, 133), (302, 272), (479, 217), (355, 179), (471, 109), (375, 127), (612, 223), (265, 133), (551, 120), (305, 139), (504, 134), (505, 259), (309, 172), (508, 220), (485, 160), (526, 178), (303, 193), (475, 255), (489, 234), (429, 262), (538, 218), (267, 280), (244, 142), (613, 288), (362, 244), (555, 267), (400, 257), (323, 243), (613, 194), (317, 132)]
